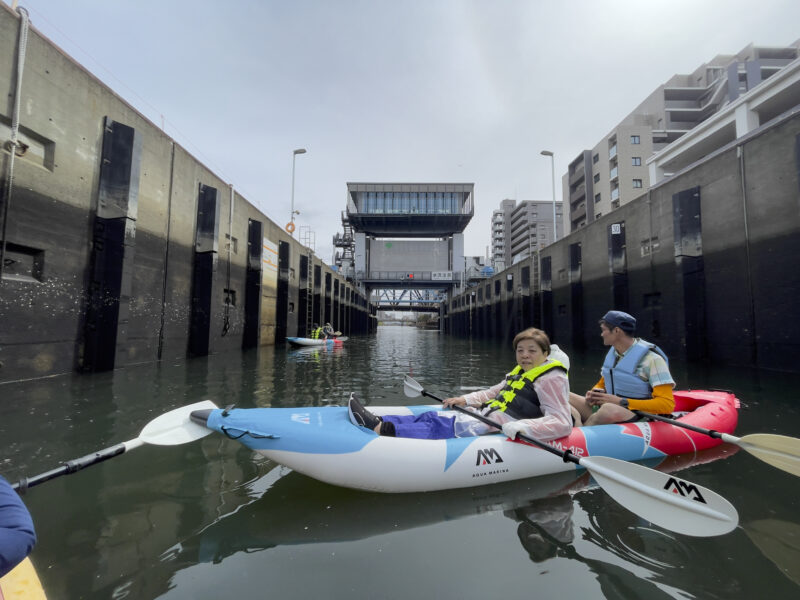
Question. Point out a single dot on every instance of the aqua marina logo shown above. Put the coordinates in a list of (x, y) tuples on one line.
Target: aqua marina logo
[(488, 457), (687, 490)]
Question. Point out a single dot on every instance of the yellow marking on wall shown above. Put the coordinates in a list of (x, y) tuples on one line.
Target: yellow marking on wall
[(269, 291)]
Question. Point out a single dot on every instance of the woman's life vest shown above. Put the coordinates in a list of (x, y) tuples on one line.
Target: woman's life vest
[(518, 398), (621, 379)]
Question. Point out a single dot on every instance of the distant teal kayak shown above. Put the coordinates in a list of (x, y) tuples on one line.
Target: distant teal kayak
[(301, 341)]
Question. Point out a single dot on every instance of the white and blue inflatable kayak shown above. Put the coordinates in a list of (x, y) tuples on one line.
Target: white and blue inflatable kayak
[(322, 443), (301, 341)]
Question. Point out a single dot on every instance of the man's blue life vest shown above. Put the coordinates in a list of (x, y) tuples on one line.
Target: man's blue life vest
[(518, 398), (621, 379)]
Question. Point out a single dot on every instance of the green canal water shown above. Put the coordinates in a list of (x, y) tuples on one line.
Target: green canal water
[(211, 520)]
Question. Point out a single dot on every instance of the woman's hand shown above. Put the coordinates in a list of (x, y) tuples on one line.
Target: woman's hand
[(458, 401)]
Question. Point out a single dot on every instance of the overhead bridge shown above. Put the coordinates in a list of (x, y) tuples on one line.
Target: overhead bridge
[(408, 279), (409, 300)]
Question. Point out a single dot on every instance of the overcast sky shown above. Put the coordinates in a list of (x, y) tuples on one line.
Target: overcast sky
[(396, 90)]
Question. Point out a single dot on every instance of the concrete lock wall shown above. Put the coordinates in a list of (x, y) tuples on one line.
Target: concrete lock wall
[(122, 248), (706, 261)]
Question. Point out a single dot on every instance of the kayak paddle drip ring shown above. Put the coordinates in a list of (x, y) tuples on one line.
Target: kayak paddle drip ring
[(290, 227)]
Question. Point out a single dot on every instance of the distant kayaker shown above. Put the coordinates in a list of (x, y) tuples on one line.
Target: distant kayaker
[(635, 375), (328, 330), (533, 399), (17, 536), (317, 332)]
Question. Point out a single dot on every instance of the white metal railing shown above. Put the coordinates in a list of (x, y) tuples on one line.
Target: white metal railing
[(443, 276)]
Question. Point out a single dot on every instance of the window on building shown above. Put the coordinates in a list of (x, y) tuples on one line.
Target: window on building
[(597, 198), (635, 139), (595, 158), (636, 161), (637, 183), (597, 177), (651, 245), (598, 215)]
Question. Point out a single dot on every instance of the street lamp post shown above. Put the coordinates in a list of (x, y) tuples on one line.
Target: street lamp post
[(553, 168), (290, 227)]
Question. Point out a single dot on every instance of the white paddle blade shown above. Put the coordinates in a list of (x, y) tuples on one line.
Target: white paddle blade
[(411, 388), (175, 427), (780, 451), (663, 499)]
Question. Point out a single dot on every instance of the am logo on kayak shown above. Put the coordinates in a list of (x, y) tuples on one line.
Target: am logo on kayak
[(489, 456), (304, 418), (685, 489)]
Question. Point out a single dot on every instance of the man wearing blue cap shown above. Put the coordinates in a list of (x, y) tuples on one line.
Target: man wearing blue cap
[(635, 376)]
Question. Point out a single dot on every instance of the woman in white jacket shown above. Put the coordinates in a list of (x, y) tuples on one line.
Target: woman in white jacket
[(532, 399)]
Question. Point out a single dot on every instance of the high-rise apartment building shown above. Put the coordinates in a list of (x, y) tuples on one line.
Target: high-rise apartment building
[(519, 229), (614, 171), (532, 227), (501, 227)]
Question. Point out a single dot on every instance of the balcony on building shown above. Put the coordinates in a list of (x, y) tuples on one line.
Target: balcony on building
[(578, 213), (576, 176), (410, 210), (685, 107), (663, 137), (578, 194)]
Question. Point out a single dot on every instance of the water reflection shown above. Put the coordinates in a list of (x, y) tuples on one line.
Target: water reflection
[(779, 541), (293, 509), (283, 508), (546, 532)]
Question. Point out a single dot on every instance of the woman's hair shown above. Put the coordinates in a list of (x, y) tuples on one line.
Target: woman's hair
[(537, 335)]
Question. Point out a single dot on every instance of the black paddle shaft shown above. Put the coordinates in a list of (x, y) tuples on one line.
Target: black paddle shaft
[(711, 432), (565, 455), (71, 466)]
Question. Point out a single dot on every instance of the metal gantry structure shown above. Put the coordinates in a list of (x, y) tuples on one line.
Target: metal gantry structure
[(403, 243), (408, 300)]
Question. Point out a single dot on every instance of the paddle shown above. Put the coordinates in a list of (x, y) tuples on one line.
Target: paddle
[(780, 451), (169, 429), (662, 499)]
